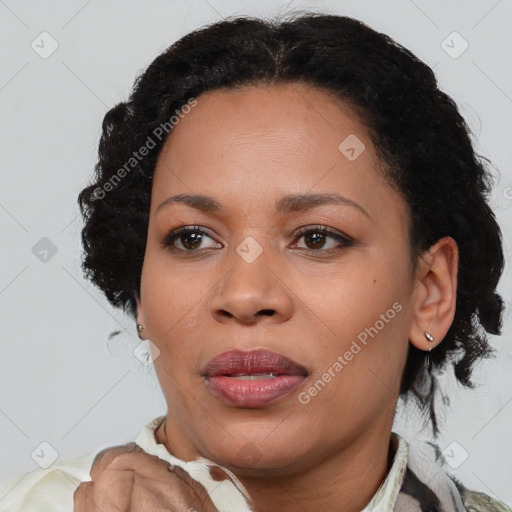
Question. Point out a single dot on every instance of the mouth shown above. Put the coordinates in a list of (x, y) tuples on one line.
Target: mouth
[(252, 379)]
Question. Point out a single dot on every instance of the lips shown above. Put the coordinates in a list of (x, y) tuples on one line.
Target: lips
[(252, 379), (256, 361)]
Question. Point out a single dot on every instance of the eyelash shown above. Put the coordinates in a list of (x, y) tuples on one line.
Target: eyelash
[(344, 240)]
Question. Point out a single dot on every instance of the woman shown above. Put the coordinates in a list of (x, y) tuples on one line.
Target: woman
[(293, 214)]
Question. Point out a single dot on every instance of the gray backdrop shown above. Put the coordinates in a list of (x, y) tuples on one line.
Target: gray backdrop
[(64, 64)]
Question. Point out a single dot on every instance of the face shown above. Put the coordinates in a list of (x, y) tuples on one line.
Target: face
[(306, 255)]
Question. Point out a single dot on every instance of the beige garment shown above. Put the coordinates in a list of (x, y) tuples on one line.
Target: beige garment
[(51, 489)]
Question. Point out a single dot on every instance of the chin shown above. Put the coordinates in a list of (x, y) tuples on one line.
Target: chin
[(275, 467), (253, 458)]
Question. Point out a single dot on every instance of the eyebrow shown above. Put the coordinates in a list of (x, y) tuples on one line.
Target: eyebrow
[(288, 204)]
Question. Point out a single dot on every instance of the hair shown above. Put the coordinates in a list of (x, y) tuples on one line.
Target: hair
[(422, 141)]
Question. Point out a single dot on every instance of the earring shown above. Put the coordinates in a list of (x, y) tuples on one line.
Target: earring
[(428, 362), (140, 328)]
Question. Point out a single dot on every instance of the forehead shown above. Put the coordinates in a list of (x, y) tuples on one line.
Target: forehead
[(291, 114), (259, 142)]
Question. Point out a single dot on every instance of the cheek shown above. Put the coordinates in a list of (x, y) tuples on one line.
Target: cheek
[(361, 313), (350, 298), (357, 370), (170, 298)]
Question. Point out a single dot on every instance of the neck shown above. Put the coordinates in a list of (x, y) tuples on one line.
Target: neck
[(346, 481)]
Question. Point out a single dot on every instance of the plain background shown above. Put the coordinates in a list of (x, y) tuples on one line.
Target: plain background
[(62, 379)]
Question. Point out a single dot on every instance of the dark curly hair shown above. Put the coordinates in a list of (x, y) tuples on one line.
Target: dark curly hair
[(422, 141)]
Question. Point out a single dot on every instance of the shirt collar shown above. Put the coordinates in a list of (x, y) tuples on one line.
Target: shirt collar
[(384, 499), (414, 474), (228, 495)]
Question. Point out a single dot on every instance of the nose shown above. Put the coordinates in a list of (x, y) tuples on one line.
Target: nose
[(251, 293)]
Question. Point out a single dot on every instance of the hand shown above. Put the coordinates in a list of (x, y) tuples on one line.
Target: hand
[(126, 479)]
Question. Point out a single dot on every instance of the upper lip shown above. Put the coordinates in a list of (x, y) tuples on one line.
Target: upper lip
[(254, 361)]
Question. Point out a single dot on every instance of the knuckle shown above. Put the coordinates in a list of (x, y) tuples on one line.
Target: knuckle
[(80, 496), (107, 456)]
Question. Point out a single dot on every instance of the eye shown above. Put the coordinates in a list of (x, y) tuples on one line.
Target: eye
[(323, 239), (189, 239), (317, 239)]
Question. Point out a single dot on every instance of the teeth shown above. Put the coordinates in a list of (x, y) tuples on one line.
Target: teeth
[(253, 376)]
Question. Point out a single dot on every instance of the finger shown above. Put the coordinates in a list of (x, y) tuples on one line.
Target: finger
[(196, 488), (126, 475), (145, 467), (82, 497), (174, 495), (145, 464), (105, 457), (112, 492), (119, 471), (156, 469), (126, 490)]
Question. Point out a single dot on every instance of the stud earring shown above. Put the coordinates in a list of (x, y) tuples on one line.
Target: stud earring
[(428, 361), (140, 328)]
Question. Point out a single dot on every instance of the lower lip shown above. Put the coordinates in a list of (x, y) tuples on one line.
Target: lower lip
[(253, 393)]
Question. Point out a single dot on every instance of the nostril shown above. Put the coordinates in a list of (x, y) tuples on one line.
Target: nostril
[(266, 312)]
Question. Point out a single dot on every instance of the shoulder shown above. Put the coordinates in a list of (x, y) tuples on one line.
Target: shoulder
[(51, 489), (46, 490), (475, 501), (428, 481)]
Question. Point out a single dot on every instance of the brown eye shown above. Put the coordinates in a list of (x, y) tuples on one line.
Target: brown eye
[(189, 239), (323, 239), (314, 240)]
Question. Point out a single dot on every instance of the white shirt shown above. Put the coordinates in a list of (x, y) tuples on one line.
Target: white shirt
[(51, 489)]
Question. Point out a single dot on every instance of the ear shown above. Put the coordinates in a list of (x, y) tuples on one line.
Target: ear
[(435, 293)]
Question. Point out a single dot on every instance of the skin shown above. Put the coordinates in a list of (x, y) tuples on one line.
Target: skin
[(247, 149), (125, 478)]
